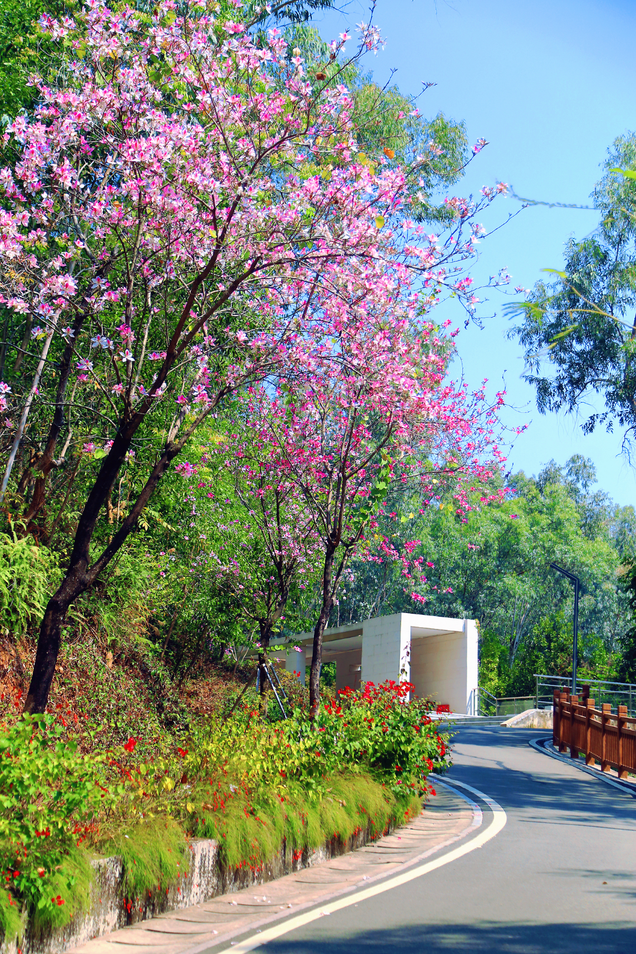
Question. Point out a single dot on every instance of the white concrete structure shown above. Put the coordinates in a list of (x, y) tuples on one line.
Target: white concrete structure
[(437, 654)]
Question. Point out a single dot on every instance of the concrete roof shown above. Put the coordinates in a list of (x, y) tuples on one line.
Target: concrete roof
[(350, 636)]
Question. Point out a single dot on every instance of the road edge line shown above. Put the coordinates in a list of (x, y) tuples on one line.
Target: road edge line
[(498, 822), (628, 787)]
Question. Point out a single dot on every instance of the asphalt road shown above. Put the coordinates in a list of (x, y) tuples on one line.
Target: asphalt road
[(560, 877)]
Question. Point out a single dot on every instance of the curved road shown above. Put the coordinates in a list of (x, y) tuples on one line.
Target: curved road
[(560, 877)]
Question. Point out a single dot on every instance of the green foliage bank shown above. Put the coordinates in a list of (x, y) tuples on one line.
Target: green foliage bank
[(251, 785)]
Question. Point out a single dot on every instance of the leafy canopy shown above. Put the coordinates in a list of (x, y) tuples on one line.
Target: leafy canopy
[(579, 332)]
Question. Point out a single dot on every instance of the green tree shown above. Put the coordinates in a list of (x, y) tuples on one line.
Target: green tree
[(493, 566), (579, 333)]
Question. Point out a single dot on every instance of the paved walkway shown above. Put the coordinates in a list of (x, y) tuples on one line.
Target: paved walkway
[(447, 818)]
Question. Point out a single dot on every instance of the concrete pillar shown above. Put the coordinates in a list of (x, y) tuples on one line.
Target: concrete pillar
[(472, 657)]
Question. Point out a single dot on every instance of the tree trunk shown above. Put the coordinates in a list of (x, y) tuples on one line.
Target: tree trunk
[(195, 657), (81, 573), (265, 632), (33, 390), (50, 640), (319, 631), (44, 464)]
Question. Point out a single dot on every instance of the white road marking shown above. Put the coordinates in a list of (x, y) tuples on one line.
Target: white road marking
[(497, 823), (623, 786)]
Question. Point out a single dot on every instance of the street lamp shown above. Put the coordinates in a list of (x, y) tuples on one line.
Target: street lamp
[(575, 623)]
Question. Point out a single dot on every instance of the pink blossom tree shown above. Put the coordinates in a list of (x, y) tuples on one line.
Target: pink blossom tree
[(162, 235), (367, 407), (184, 205)]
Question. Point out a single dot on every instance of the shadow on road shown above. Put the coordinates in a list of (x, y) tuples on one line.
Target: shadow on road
[(477, 939), (553, 791), (565, 855)]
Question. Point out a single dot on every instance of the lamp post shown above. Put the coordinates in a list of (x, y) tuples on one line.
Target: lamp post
[(575, 622)]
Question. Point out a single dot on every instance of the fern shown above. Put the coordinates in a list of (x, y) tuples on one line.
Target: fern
[(27, 573)]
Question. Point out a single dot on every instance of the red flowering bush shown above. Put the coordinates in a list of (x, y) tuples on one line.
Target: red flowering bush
[(379, 729), (245, 781), (382, 729), (49, 795)]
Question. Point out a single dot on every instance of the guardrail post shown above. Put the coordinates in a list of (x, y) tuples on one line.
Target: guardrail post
[(563, 699), (556, 719), (589, 705), (606, 711), (622, 715), (574, 752)]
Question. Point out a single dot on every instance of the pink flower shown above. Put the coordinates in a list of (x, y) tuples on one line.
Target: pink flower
[(126, 332)]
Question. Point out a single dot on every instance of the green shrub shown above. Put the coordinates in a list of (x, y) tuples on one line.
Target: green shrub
[(50, 795), (27, 573), (252, 828), (11, 915)]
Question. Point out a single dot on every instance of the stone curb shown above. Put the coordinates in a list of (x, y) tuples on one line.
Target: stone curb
[(207, 925), (547, 748), (205, 879)]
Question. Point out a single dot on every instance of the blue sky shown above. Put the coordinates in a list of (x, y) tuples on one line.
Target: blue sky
[(549, 84)]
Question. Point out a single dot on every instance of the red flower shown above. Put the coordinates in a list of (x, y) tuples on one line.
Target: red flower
[(130, 744), (182, 752)]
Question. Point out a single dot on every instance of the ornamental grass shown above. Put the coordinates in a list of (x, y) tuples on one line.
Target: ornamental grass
[(257, 787)]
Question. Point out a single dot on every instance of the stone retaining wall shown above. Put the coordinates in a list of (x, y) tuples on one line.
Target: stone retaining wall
[(531, 719), (205, 879)]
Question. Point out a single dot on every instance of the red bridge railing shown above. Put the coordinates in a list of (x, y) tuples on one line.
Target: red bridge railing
[(598, 734)]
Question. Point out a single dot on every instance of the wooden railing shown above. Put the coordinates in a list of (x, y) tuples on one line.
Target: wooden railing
[(595, 733)]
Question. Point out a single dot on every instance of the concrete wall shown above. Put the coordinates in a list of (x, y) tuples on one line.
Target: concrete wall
[(444, 666), (385, 648), (206, 878), (348, 669)]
